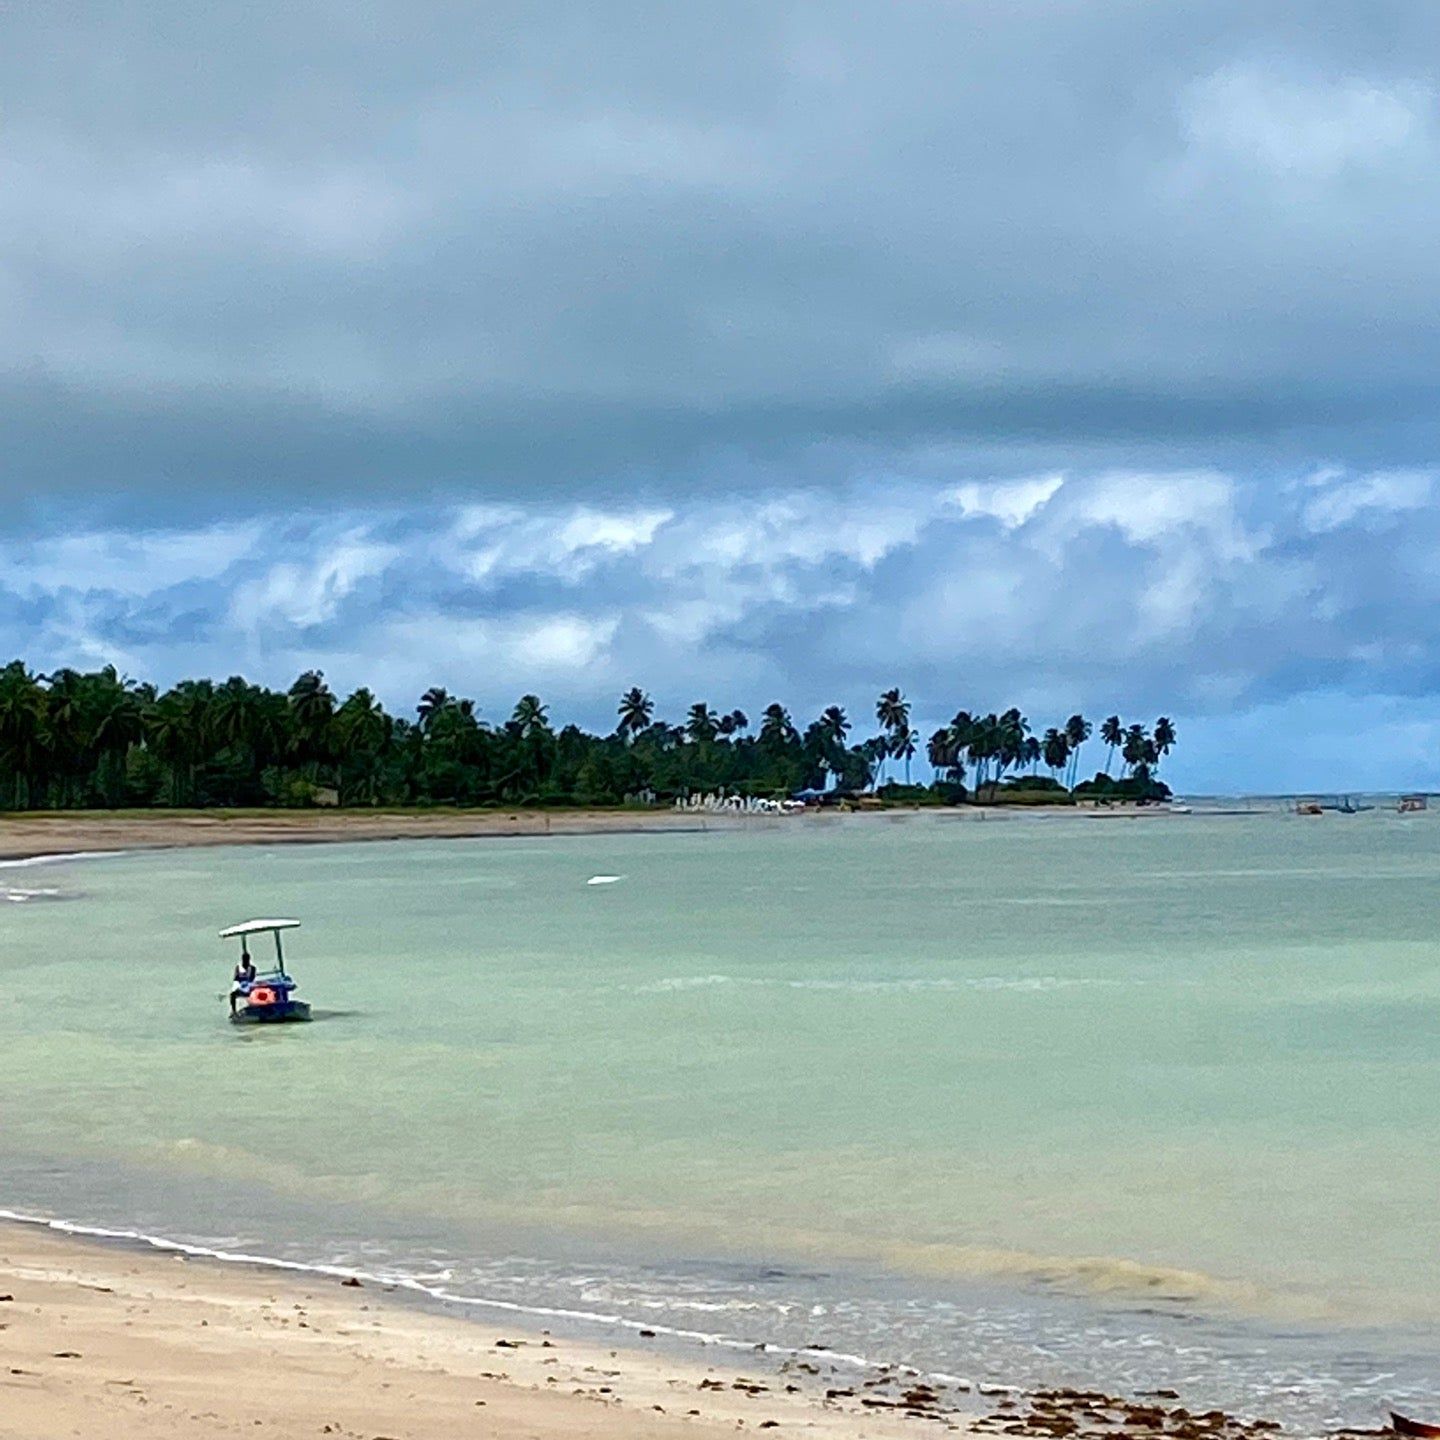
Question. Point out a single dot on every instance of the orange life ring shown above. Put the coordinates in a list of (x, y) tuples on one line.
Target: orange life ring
[(261, 995)]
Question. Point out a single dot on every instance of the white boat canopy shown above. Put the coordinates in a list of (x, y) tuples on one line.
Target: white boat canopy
[(257, 927)]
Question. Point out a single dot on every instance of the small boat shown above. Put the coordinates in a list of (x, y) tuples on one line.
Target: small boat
[(269, 998), (1402, 1426)]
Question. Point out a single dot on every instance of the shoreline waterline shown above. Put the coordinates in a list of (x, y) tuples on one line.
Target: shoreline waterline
[(350, 1354), (838, 1393), (31, 837)]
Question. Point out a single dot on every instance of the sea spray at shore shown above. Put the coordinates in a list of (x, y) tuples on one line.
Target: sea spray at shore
[(1103, 1143)]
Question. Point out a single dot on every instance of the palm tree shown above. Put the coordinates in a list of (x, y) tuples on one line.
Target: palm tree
[(1077, 732), (119, 727), (979, 745), (530, 717), (834, 723), (1136, 746), (892, 710), (533, 744), (235, 714), (177, 728), (432, 702), (879, 747), (363, 730), (777, 731), (909, 739), (22, 720), (635, 711), (1056, 750), (944, 751), (1112, 732), (734, 723), (1011, 733), (702, 724), (1164, 737), (872, 751), (312, 709), (67, 723)]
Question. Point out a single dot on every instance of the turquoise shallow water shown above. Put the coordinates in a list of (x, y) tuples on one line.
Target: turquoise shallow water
[(1033, 1097)]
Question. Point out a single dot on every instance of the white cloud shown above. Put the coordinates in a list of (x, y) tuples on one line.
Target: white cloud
[(302, 594), (1157, 510), (1307, 128), (1012, 502), (492, 543), (527, 650), (126, 563), (1381, 494)]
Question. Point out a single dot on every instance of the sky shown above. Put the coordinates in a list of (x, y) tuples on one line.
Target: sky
[(1079, 356)]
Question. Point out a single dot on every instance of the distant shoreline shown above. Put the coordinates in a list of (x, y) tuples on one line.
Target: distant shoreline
[(37, 835)]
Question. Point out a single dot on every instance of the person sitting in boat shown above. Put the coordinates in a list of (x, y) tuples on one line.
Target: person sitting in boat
[(244, 977)]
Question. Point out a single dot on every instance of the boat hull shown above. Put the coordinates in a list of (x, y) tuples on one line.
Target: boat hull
[(286, 1011)]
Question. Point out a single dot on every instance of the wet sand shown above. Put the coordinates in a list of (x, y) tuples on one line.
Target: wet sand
[(24, 836), (118, 1339), (105, 1339)]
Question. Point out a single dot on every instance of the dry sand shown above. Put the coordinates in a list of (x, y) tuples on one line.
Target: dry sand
[(110, 1342)]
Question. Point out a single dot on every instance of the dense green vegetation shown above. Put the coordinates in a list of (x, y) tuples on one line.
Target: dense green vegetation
[(73, 740)]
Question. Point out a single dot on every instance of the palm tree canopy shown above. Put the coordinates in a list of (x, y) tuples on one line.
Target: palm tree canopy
[(635, 711), (701, 723), (432, 702), (892, 710), (530, 717)]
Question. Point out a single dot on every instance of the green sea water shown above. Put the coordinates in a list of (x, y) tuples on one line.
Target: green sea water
[(1046, 1072)]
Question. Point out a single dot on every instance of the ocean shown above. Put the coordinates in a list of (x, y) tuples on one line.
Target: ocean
[(1042, 1099)]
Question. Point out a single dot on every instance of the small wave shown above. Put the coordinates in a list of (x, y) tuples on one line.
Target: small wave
[(689, 982), (29, 860), (604, 879), (401, 1281), (18, 896), (1024, 984)]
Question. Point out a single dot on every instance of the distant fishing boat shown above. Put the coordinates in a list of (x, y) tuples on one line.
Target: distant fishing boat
[(269, 997)]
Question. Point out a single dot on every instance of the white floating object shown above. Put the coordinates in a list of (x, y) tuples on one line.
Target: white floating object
[(604, 879)]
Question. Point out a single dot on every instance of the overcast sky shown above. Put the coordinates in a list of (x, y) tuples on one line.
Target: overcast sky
[(1072, 355)]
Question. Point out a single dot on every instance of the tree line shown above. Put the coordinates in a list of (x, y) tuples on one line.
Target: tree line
[(96, 739)]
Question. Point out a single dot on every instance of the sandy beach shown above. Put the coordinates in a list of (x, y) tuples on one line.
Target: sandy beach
[(118, 1339), (104, 1339), (25, 835)]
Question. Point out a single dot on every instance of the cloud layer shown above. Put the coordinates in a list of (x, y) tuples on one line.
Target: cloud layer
[(1179, 591), (399, 250), (1081, 354)]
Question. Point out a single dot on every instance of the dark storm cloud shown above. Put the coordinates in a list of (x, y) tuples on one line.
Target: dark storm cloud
[(264, 255)]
